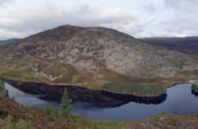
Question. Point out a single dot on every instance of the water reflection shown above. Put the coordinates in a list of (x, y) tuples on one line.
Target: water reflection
[(137, 99), (179, 100), (28, 99)]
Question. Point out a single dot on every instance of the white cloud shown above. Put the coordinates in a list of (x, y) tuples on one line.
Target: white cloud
[(136, 17), (85, 15), (3, 2)]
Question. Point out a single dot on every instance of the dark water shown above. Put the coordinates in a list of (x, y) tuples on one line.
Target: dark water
[(180, 100)]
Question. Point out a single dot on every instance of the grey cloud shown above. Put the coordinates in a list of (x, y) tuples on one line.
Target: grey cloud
[(153, 18), (83, 16), (183, 6), (3, 2), (173, 18)]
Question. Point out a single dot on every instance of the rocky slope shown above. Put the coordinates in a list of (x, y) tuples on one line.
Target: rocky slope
[(91, 57)]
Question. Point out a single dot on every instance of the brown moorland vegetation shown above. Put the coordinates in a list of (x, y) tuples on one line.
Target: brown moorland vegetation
[(15, 115)]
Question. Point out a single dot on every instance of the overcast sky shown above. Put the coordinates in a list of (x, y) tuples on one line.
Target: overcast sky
[(140, 18)]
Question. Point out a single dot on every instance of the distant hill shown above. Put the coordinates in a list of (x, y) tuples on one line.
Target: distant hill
[(4, 42), (187, 45), (92, 56)]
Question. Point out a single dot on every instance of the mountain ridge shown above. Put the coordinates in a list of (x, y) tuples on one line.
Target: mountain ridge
[(187, 45), (8, 41), (93, 56)]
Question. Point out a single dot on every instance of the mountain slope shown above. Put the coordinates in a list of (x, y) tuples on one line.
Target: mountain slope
[(186, 45), (92, 56), (5, 42)]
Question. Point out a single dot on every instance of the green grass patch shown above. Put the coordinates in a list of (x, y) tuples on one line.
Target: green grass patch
[(105, 125), (75, 122), (135, 89), (15, 74), (10, 123)]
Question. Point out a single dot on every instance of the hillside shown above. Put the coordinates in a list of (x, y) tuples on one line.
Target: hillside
[(5, 42), (91, 57), (186, 45)]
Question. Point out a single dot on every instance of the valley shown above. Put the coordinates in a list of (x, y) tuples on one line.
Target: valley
[(108, 75), (98, 64), (93, 58)]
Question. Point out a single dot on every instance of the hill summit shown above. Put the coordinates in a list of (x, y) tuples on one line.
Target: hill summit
[(92, 56)]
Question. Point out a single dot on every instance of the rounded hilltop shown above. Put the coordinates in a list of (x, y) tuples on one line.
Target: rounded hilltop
[(93, 56)]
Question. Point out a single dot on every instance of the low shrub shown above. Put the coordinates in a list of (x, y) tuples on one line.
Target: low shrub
[(9, 123)]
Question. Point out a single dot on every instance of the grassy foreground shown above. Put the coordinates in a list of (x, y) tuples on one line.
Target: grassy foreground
[(15, 116)]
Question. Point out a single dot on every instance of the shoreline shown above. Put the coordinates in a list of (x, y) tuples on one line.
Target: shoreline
[(101, 98)]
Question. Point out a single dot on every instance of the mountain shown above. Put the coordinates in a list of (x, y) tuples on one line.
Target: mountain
[(5, 42), (92, 56), (186, 45)]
